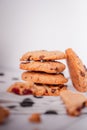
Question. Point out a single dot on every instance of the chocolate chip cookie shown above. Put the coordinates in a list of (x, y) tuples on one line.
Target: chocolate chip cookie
[(43, 55), (48, 67), (44, 78), (47, 90)]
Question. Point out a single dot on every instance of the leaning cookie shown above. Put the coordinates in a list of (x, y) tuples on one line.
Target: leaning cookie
[(21, 88), (77, 71), (48, 90), (44, 78), (43, 55), (74, 102), (49, 67)]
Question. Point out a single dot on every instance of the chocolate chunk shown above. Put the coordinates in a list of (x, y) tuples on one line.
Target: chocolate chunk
[(1, 74), (38, 96), (82, 74), (51, 112), (29, 58), (41, 57), (53, 90), (56, 69), (12, 106), (51, 69), (27, 103)]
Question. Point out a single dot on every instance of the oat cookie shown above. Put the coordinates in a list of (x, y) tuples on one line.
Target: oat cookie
[(48, 90), (4, 113), (21, 88), (74, 102), (77, 70), (44, 78), (49, 67), (43, 55)]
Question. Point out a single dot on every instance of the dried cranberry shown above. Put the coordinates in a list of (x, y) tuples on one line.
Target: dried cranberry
[(27, 91), (16, 91)]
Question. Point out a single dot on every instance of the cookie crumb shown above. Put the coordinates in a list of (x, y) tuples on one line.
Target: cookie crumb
[(35, 118)]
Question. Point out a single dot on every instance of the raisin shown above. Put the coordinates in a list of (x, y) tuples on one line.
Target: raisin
[(11, 107), (51, 112), (27, 103)]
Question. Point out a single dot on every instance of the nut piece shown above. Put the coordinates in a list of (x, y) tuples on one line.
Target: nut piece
[(4, 113), (35, 118)]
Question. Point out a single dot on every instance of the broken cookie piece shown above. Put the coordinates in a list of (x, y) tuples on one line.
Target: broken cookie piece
[(4, 113), (47, 90), (74, 102), (21, 88)]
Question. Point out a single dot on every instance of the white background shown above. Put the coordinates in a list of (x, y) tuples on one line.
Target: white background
[(27, 25)]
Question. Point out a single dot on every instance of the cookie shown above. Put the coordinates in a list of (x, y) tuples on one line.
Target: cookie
[(47, 90), (4, 113), (74, 102), (44, 78), (77, 71), (35, 118), (21, 88), (38, 90), (43, 55), (49, 67)]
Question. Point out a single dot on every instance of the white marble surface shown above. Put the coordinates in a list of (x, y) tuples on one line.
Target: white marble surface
[(19, 117)]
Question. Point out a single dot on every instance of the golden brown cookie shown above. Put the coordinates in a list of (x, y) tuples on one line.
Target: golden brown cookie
[(43, 55), (4, 113), (74, 102), (21, 88), (47, 90), (44, 78), (35, 118), (49, 67), (77, 70)]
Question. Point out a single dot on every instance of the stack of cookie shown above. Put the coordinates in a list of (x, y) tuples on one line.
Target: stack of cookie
[(45, 71)]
